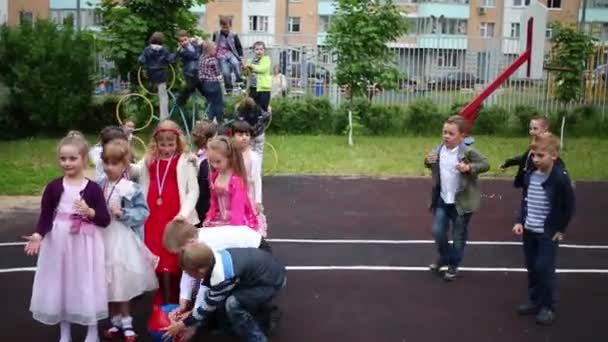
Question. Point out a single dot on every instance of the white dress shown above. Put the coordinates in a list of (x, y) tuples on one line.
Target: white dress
[(129, 263)]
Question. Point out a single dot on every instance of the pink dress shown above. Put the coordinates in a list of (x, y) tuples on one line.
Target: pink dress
[(70, 282), (230, 205)]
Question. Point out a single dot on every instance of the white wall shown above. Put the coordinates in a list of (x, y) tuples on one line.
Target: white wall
[(512, 14), (264, 8), (3, 11)]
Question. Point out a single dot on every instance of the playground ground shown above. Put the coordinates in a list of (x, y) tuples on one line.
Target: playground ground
[(357, 250)]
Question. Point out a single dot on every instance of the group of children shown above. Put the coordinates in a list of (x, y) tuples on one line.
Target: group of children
[(102, 243), (204, 64), (546, 208)]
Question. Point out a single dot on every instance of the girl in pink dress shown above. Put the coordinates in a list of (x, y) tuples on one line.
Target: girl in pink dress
[(70, 282), (230, 203)]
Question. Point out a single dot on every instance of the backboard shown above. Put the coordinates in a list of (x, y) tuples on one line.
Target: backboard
[(539, 12)]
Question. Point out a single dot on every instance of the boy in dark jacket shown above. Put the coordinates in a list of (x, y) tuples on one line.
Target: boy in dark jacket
[(546, 209), (201, 133), (189, 52), (155, 58)]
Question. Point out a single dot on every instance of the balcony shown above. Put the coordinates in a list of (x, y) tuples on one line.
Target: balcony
[(597, 11), (447, 8)]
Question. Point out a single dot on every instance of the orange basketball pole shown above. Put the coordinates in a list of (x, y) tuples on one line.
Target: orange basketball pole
[(471, 110)]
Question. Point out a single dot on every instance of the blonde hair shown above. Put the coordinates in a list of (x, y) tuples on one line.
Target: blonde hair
[(546, 142), (76, 139), (196, 256), (460, 122), (116, 150), (166, 129), (202, 132), (543, 121), (226, 147), (177, 235)]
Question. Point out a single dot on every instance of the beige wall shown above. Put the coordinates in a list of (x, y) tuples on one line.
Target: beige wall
[(490, 15), (218, 8), (306, 10), (567, 14), (39, 9)]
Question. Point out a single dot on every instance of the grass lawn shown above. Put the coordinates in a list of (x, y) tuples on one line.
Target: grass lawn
[(27, 165)]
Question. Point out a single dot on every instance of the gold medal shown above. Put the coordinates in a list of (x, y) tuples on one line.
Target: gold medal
[(159, 201)]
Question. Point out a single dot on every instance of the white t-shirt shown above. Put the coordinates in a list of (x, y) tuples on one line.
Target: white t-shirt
[(448, 159), (220, 238)]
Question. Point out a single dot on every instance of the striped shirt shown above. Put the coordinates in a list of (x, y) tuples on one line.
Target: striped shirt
[(537, 203)]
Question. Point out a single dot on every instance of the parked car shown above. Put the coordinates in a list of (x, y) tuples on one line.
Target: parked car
[(453, 80)]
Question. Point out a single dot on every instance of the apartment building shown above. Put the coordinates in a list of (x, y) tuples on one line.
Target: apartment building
[(15, 12), (62, 11), (596, 19)]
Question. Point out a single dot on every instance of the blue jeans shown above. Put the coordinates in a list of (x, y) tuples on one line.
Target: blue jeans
[(541, 255), (212, 91), (240, 307), (443, 214), (228, 65)]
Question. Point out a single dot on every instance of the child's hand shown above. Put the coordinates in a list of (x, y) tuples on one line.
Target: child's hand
[(83, 208), (518, 229), (116, 210), (431, 157), (179, 218), (173, 330), (502, 168), (33, 244), (559, 236), (463, 167), (259, 208), (193, 159)]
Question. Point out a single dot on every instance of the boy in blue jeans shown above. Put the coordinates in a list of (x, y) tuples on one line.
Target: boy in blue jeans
[(546, 209), (455, 196), (242, 280)]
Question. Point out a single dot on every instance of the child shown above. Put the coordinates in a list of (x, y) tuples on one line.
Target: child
[(242, 280), (189, 51), (128, 126), (279, 82), (201, 134), (107, 134), (129, 263), (538, 125), (260, 80), (209, 74), (253, 165), (155, 58), (230, 204), (229, 53), (546, 209), (70, 281), (179, 235), (250, 112), (455, 195), (168, 180)]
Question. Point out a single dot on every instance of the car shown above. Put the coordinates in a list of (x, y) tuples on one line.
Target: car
[(454, 80)]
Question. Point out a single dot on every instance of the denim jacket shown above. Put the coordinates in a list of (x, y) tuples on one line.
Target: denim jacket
[(468, 194), (155, 59), (133, 204), (559, 192), (189, 58)]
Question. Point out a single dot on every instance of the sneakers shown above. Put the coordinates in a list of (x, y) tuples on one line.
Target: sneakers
[(436, 266), (528, 309), (545, 317), (451, 273)]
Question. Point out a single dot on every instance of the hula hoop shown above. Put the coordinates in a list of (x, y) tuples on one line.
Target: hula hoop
[(145, 99), (141, 84), (276, 158)]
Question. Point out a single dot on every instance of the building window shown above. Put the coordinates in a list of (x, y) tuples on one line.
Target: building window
[(26, 17), (518, 3), (258, 23), (515, 30), (486, 29), (324, 22), (549, 33), (447, 59), (554, 3), (294, 24), (488, 3)]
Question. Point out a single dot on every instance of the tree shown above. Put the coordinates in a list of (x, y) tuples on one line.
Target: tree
[(358, 36), (129, 23)]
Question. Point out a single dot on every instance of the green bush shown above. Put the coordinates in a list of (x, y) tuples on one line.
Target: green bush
[(524, 114), (49, 73), (491, 120), (423, 117), (310, 115)]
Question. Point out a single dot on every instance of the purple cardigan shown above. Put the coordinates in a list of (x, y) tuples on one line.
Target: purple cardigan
[(92, 195)]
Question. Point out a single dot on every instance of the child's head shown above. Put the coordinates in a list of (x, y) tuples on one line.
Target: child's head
[(259, 48), (242, 131), (167, 140), (202, 132), (197, 260), (544, 151), (116, 158), (72, 152), (110, 133), (247, 105), (157, 38), (538, 124), (454, 129), (276, 69), (178, 235), (209, 48), (128, 126), (225, 24), (183, 38), (223, 155)]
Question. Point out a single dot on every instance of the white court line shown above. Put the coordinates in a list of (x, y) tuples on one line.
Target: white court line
[(387, 242), (385, 268), (424, 242)]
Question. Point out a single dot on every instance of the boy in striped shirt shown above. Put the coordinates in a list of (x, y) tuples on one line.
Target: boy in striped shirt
[(242, 280), (547, 208)]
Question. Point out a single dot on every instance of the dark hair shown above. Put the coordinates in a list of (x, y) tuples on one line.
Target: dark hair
[(202, 132), (157, 38), (110, 133), (241, 126), (259, 43), (225, 20), (459, 121), (247, 105)]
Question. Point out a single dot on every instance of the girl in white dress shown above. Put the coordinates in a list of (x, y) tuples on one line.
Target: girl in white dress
[(129, 264)]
